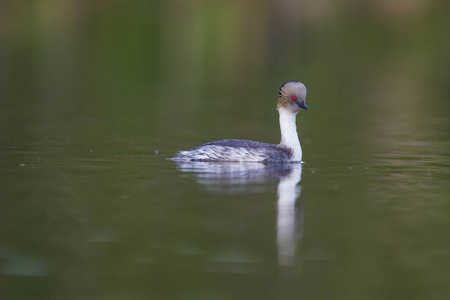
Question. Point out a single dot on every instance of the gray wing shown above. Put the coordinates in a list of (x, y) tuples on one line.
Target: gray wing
[(235, 150)]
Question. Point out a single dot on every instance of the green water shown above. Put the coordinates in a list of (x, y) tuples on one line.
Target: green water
[(96, 97)]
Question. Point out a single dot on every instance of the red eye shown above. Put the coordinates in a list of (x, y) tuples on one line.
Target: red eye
[(293, 98)]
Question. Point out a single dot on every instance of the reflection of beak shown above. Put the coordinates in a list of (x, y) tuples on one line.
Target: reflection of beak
[(303, 105)]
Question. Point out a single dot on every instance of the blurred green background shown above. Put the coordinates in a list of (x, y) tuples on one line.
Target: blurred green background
[(95, 95), (187, 66)]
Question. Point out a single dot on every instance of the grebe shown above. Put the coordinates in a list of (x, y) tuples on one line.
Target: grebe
[(291, 99)]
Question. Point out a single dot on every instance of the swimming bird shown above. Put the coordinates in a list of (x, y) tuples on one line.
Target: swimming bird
[(291, 99)]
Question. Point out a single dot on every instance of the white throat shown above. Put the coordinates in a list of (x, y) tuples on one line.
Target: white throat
[(289, 136)]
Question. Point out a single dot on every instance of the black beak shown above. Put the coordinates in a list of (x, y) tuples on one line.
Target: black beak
[(303, 105)]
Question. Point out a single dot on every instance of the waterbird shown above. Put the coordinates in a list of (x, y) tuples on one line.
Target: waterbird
[(291, 99)]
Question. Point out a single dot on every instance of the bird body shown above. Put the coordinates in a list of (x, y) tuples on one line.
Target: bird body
[(291, 100)]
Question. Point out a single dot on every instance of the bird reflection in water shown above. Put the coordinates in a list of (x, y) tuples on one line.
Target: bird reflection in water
[(236, 178)]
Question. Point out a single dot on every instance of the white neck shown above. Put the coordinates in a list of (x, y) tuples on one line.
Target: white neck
[(289, 136)]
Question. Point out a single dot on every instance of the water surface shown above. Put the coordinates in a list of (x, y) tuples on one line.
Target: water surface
[(96, 98)]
